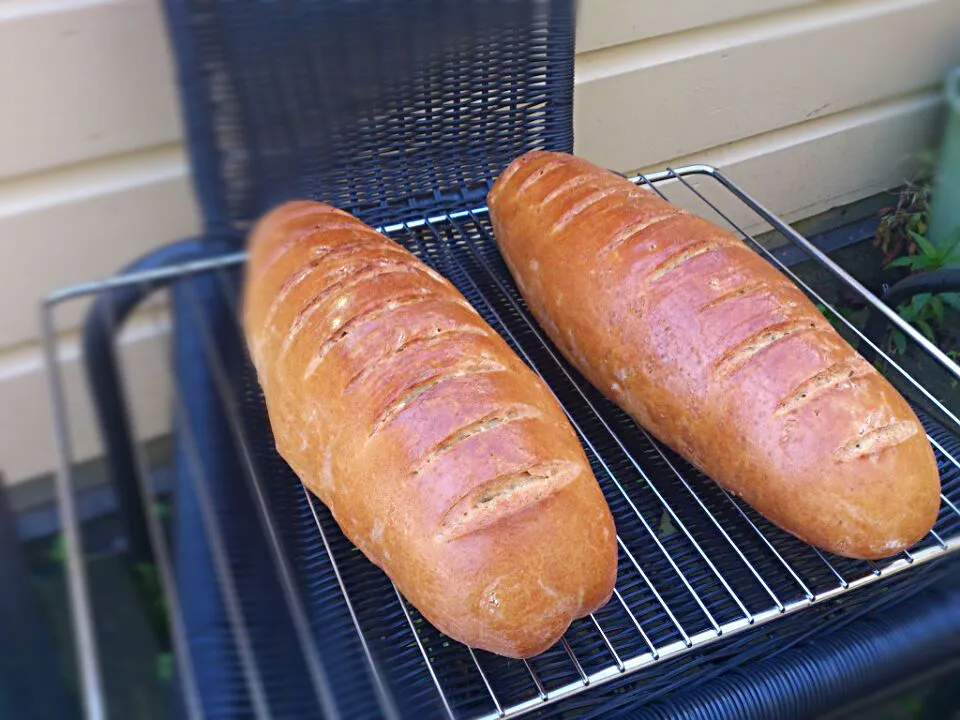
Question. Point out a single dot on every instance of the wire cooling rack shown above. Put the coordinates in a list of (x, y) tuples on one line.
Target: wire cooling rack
[(696, 565)]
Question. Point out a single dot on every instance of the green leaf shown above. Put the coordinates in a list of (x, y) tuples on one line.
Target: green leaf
[(905, 261), (165, 666), (899, 342), (58, 549), (926, 329), (925, 247), (951, 299), (908, 312), (950, 247), (666, 528), (912, 705), (936, 308)]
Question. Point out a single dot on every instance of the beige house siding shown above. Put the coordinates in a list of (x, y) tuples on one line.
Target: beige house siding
[(807, 104)]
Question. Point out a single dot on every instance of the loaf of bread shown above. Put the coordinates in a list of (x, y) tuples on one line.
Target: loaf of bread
[(441, 455), (717, 354)]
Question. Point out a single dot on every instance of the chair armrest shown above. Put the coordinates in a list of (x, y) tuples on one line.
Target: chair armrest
[(104, 320)]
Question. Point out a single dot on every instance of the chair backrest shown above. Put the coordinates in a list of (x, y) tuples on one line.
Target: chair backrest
[(383, 107)]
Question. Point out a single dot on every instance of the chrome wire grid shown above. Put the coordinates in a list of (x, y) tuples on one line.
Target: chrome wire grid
[(696, 564)]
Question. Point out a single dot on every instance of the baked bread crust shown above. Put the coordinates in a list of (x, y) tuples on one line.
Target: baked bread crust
[(440, 454), (718, 354)]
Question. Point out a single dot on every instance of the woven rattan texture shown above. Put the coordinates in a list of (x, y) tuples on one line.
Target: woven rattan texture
[(374, 106)]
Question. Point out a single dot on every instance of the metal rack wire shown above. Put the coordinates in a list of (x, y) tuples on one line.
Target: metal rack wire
[(696, 565)]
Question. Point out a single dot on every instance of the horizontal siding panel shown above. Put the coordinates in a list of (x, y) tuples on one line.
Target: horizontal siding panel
[(82, 229), (81, 80), (604, 23), (96, 79), (641, 104), (27, 446), (85, 225), (801, 171)]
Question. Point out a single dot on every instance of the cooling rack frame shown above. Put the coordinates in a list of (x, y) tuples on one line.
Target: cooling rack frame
[(458, 243)]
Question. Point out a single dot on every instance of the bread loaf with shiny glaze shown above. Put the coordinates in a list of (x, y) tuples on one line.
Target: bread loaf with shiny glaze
[(441, 455), (717, 354)]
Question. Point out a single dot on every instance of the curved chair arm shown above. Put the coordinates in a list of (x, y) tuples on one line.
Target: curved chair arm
[(104, 320)]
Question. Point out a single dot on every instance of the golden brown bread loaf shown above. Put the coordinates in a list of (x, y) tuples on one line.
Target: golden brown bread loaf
[(717, 354), (440, 454)]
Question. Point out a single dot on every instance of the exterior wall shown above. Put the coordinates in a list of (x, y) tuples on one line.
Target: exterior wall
[(807, 104)]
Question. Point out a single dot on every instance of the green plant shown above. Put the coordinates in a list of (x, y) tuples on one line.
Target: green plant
[(164, 666), (665, 528), (926, 313), (898, 223), (58, 549), (147, 581), (929, 257), (926, 310), (162, 509)]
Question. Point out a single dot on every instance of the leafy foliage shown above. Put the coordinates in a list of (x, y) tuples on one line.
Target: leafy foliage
[(929, 257), (926, 310), (895, 233), (165, 666), (901, 236), (926, 313)]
